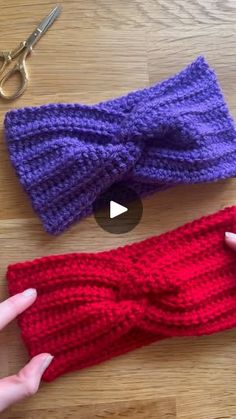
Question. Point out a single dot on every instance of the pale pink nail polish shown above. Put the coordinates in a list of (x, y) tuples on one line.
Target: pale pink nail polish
[(46, 362), (230, 235), (29, 292)]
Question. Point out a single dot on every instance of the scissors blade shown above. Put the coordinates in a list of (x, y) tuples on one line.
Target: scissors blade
[(48, 20), (43, 27)]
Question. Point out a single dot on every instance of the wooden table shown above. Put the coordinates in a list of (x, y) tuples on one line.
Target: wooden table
[(97, 50)]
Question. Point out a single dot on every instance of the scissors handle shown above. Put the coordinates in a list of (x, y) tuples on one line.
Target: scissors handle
[(5, 58), (20, 68)]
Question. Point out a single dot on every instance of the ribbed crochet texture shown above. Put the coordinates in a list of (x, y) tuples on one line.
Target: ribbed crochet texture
[(65, 155), (91, 307)]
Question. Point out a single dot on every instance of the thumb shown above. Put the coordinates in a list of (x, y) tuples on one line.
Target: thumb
[(230, 239), (25, 383)]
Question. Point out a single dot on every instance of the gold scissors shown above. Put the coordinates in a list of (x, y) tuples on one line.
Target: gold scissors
[(22, 51)]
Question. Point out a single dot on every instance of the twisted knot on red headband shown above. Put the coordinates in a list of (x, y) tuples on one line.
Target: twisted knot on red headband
[(66, 155), (91, 307), (147, 284)]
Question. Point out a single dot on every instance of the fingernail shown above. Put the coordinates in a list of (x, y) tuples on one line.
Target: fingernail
[(29, 292), (46, 362), (229, 235)]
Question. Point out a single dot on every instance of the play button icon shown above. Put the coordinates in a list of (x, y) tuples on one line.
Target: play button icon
[(118, 210)]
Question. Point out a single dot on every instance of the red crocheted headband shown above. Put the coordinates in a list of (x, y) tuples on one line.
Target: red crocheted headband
[(91, 307)]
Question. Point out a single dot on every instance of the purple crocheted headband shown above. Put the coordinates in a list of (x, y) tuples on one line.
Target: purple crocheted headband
[(178, 131)]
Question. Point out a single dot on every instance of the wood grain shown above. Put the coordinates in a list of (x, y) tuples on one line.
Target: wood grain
[(96, 50), (164, 408)]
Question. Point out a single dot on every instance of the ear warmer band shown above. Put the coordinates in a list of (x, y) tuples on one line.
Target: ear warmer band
[(66, 155), (91, 307)]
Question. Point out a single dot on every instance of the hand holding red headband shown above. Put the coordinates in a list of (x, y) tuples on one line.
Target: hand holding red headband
[(91, 307)]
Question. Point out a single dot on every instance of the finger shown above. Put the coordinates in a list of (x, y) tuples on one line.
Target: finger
[(25, 383), (230, 239), (13, 306)]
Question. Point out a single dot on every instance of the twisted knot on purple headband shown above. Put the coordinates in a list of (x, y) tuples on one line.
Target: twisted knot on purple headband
[(66, 155)]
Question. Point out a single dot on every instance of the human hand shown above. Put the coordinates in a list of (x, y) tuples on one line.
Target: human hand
[(230, 239), (26, 382)]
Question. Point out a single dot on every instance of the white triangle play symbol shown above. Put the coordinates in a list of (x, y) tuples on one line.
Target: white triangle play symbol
[(116, 209)]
